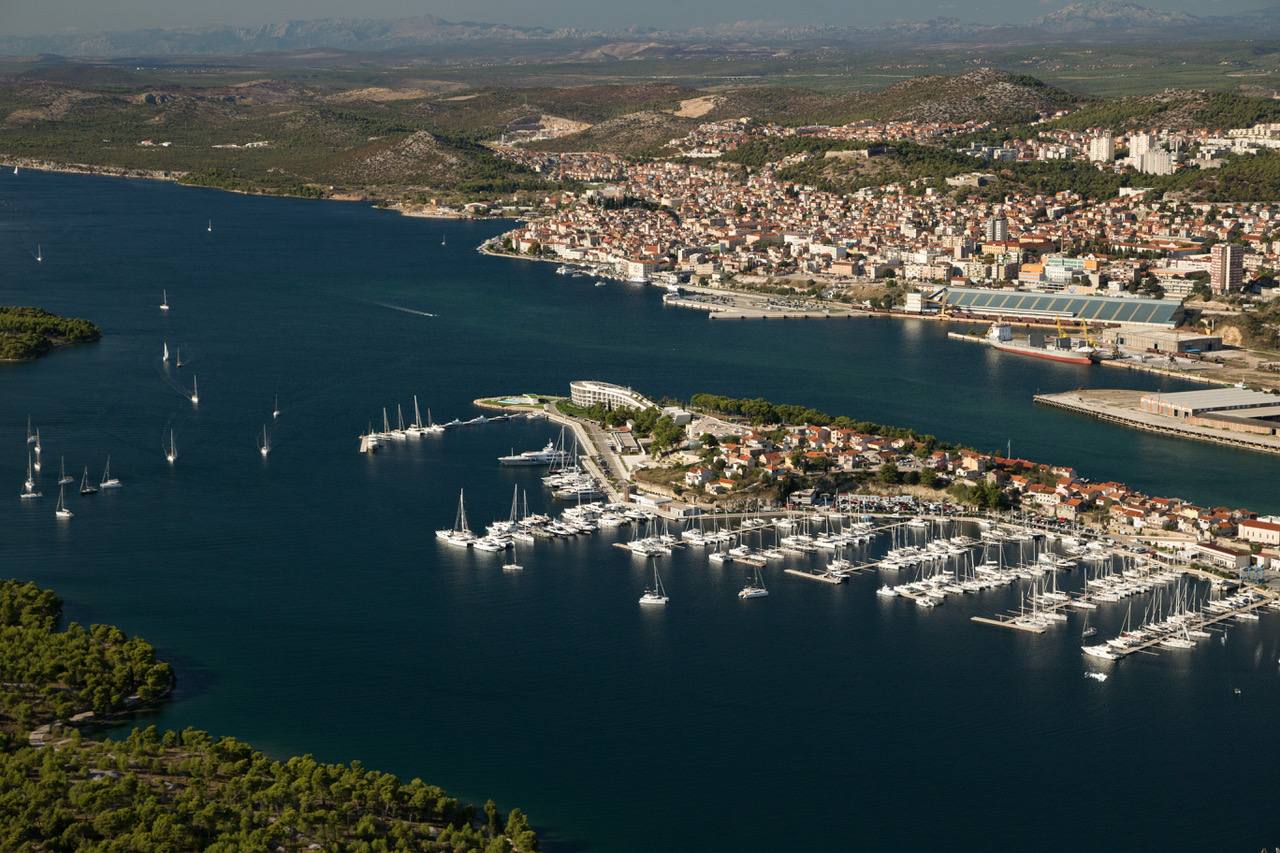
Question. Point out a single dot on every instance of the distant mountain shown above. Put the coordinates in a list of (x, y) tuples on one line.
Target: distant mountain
[(1092, 16), (1108, 20)]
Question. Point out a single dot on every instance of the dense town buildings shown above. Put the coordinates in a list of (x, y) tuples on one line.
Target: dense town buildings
[(676, 221)]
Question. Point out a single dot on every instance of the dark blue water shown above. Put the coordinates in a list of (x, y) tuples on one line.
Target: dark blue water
[(309, 608)]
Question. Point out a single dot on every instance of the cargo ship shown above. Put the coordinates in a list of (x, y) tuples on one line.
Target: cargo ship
[(1037, 345)]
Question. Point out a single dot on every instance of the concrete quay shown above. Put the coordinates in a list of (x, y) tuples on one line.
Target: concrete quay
[(1121, 407)]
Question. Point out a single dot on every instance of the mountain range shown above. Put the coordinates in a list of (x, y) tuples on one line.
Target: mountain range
[(1097, 22)]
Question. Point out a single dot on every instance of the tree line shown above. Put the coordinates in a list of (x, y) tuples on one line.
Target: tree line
[(171, 792), (27, 332)]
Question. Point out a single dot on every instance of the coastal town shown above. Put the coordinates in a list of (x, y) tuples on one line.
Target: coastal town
[(688, 219)]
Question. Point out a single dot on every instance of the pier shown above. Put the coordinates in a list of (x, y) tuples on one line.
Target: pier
[(1121, 407)]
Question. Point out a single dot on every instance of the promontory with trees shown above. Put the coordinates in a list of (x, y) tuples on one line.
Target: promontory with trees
[(27, 333), (177, 791)]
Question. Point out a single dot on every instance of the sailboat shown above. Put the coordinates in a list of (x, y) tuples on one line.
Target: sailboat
[(109, 482), (164, 302), (177, 356), (656, 594), (210, 228), (61, 511), (195, 391), (39, 254), (31, 436), (85, 488), (63, 479), (511, 565), (275, 413), (754, 588), (265, 446), (15, 170), (171, 452), (37, 448), (29, 488), (165, 357), (460, 534), (442, 239), (1088, 631)]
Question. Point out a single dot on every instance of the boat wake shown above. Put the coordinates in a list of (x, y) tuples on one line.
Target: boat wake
[(398, 308)]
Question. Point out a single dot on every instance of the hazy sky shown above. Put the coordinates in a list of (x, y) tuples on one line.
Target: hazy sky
[(50, 17)]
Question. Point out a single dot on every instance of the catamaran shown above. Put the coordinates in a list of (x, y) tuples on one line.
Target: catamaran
[(656, 594), (460, 534), (164, 302), (109, 482), (61, 511), (85, 488), (754, 588)]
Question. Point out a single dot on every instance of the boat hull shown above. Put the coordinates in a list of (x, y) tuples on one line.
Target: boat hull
[(1052, 355)]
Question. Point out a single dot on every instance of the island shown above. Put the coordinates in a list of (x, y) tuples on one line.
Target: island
[(181, 791), (27, 333)]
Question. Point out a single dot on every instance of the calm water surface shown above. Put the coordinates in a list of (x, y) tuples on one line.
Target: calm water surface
[(308, 607)]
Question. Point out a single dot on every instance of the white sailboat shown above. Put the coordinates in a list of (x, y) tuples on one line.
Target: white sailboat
[(37, 448), (656, 594), (275, 413), (460, 534), (109, 482), (171, 452), (61, 511), (165, 357), (63, 479), (195, 390), (29, 488), (85, 488), (264, 447), (39, 254), (210, 228), (754, 588), (177, 356), (164, 301), (31, 436), (511, 565)]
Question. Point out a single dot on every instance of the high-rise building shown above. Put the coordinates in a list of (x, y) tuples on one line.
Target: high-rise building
[(1139, 144), (1102, 149), (997, 228), (1155, 161), (1226, 268)]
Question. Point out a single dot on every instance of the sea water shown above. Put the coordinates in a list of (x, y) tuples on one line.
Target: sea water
[(309, 608)]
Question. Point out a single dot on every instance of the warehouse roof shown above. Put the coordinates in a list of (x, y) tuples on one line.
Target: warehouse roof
[(1096, 309)]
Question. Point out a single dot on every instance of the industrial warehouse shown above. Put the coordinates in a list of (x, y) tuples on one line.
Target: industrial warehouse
[(1235, 409), (1022, 305)]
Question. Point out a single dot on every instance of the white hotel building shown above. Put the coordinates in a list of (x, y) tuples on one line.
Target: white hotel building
[(588, 392)]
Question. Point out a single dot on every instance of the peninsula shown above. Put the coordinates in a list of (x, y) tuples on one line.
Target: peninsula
[(183, 791), (27, 333)]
